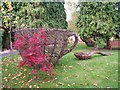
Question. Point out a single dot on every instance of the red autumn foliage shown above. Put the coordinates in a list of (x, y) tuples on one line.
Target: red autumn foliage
[(30, 48)]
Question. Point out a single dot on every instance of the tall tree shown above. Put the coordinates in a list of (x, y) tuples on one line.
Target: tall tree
[(41, 14), (7, 23), (98, 21), (31, 15)]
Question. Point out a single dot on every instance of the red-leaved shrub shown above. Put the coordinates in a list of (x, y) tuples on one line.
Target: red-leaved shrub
[(30, 47)]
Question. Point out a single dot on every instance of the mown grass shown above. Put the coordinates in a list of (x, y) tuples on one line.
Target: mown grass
[(97, 72)]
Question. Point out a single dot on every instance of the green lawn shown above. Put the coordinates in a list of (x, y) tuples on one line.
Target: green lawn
[(97, 72)]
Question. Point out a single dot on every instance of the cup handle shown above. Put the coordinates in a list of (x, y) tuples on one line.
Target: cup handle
[(74, 44)]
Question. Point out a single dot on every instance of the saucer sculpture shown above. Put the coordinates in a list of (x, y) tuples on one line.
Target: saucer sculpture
[(84, 56)]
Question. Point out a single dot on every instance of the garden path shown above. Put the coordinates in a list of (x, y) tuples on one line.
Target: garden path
[(8, 53)]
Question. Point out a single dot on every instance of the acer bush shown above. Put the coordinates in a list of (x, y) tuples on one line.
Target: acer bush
[(31, 48)]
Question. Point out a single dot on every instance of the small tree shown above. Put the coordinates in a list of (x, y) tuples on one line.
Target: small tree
[(8, 21), (98, 21)]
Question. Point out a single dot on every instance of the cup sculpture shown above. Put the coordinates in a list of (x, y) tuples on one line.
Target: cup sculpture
[(57, 42)]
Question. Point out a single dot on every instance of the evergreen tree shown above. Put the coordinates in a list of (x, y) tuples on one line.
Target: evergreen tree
[(40, 14), (98, 21), (30, 15)]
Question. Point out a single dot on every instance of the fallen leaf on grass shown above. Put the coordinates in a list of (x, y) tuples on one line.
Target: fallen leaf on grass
[(84, 65), (9, 75), (95, 83), (14, 60), (70, 67), (56, 85), (48, 81), (4, 77), (34, 85), (6, 69), (91, 69), (43, 82), (76, 75), (22, 81), (73, 83), (19, 74), (107, 78), (14, 77), (23, 77), (8, 87), (97, 75), (85, 83), (25, 70), (37, 87), (55, 78), (68, 85), (7, 65), (6, 80), (21, 86), (20, 58), (30, 80), (30, 86), (15, 83)]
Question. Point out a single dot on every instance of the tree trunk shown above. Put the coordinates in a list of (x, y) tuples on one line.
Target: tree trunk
[(6, 40)]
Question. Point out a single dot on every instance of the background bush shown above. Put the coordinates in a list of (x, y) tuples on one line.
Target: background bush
[(30, 15), (98, 21)]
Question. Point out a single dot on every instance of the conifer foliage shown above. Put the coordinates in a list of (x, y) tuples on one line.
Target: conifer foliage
[(98, 21)]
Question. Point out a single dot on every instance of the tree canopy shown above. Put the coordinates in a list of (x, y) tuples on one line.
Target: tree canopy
[(31, 15), (40, 14), (98, 20)]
